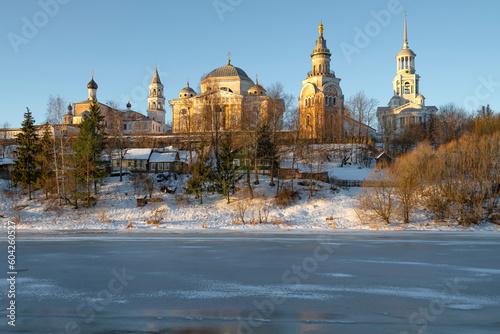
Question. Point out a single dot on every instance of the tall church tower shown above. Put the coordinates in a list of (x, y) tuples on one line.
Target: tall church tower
[(406, 83), (156, 101), (321, 102), (407, 105)]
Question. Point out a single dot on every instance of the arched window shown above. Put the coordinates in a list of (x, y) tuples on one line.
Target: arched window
[(159, 105), (332, 119), (320, 68), (334, 101), (154, 92), (183, 120), (407, 88), (154, 105), (327, 100), (308, 120)]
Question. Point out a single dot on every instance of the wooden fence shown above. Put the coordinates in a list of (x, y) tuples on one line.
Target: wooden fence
[(357, 183)]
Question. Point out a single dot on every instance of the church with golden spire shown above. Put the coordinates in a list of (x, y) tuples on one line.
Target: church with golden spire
[(322, 113), (407, 106)]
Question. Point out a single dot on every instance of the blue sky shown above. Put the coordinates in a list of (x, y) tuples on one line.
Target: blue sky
[(456, 43)]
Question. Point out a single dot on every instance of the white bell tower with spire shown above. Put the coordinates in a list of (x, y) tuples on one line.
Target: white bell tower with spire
[(406, 82), (156, 100), (407, 105)]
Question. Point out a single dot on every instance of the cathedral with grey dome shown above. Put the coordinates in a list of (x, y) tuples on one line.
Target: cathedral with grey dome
[(227, 92)]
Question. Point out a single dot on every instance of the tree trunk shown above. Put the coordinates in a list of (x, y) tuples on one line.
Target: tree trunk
[(249, 184), (57, 172), (63, 177), (256, 172), (272, 174), (121, 166), (88, 184)]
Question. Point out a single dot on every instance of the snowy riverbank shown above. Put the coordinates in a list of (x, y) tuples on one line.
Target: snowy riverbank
[(116, 209)]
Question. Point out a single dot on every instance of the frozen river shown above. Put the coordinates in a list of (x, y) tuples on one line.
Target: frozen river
[(239, 283)]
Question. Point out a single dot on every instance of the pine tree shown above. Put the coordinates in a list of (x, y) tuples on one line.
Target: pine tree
[(266, 149), (87, 151), (226, 172), (199, 175), (25, 171)]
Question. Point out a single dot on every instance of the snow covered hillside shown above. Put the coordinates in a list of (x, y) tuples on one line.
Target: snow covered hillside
[(329, 210)]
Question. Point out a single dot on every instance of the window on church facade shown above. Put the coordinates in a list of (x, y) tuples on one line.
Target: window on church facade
[(407, 88)]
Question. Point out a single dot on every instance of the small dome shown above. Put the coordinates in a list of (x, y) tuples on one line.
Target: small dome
[(406, 52), (257, 89), (129, 105), (420, 99), (187, 92), (92, 84), (227, 71), (70, 107)]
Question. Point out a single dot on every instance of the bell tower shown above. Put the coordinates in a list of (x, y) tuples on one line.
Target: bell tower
[(156, 101), (321, 55), (321, 105), (406, 82)]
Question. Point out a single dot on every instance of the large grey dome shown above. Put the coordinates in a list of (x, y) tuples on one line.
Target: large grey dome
[(227, 71)]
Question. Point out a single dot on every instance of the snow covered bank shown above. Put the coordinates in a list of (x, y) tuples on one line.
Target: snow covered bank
[(117, 209)]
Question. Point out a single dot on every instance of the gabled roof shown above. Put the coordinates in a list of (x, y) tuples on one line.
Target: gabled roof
[(381, 154), (137, 154), (164, 157), (85, 113)]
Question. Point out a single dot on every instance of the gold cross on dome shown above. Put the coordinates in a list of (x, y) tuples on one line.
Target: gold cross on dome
[(229, 57), (92, 73)]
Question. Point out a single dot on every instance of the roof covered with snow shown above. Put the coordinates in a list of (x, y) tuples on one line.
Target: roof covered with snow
[(163, 157), (137, 154), (6, 161)]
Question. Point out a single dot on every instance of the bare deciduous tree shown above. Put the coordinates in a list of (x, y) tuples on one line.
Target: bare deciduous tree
[(376, 200), (56, 107), (362, 109)]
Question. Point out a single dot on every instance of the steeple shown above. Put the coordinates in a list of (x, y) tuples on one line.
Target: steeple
[(70, 108), (405, 44), (156, 101), (129, 106), (156, 77), (92, 88), (406, 82), (321, 55)]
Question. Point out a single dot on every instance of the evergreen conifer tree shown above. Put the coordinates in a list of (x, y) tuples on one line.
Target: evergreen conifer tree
[(25, 171), (226, 172), (87, 151)]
